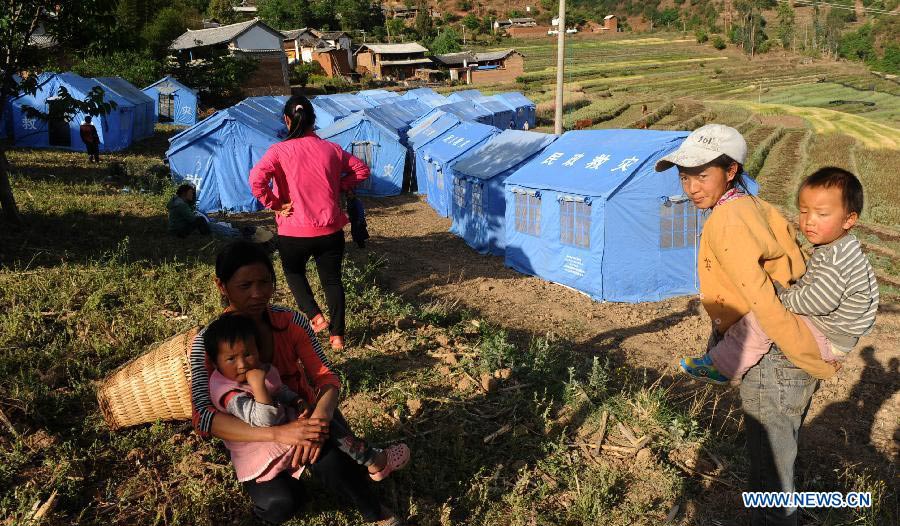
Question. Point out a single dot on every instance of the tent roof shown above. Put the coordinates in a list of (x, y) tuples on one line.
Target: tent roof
[(171, 80), (348, 101), (465, 110), (493, 105), (371, 92), (466, 94), (507, 150), (355, 120), (85, 85), (458, 140), (388, 117), (125, 89), (242, 116), (418, 92), (597, 162), (516, 99), (431, 126), (331, 107)]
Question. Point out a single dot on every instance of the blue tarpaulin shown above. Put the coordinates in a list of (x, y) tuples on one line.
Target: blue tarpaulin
[(466, 94), (348, 101), (174, 103), (439, 153), (144, 116), (377, 97), (503, 116), (423, 131), (377, 144), (114, 129), (526, 111), (478, 204), (216, 156)]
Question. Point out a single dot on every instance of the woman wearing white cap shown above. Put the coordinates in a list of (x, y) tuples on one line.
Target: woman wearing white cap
[(747, 245)]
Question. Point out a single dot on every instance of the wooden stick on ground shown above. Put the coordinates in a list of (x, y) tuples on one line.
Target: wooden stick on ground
[(603, 419)]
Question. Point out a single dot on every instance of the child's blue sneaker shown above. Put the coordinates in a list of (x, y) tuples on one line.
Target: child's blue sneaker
[(702, 369)]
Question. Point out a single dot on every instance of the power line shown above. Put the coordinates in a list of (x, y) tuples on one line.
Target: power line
[(812, 3)]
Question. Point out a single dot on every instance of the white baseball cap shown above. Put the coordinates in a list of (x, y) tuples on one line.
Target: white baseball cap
[(704, 145)]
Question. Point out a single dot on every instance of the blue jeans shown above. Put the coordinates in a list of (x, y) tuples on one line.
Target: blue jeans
[(775, 396)]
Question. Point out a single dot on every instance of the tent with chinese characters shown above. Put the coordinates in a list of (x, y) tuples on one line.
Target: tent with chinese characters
[(175, 103), (114, 128), (217, 153), (437, 156), (591, 213), (478, 206), (526, 111)]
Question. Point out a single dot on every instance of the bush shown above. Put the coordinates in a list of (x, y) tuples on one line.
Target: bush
[(217, 80), (701, 35), (719, 42), (136, 67), (301, 72)]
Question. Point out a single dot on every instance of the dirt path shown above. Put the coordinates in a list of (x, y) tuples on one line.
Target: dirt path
[(853, 419)]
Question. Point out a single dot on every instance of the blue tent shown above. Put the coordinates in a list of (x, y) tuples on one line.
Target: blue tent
[(378, 144), (423, 131), (328, 112), (466, 94), (175, 102), (114, 129), (348, 101), (526, 111), (216, 156), (592, 214), (443, 150), (469, 111), (6, 113), (144, 111), (272, 103), (377, 97), (399, 116), (478, 206), (503, 116), (426, 96)]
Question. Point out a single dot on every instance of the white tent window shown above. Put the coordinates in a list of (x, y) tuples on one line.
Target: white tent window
[(478, 199), (439, 174), (528, 214), (678, 224), (363, 151), (575, 223), (459, 192)]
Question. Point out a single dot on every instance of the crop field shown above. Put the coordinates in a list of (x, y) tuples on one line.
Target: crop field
[(524, 402)]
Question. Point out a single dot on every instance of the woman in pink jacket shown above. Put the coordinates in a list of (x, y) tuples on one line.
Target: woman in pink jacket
[(302, 179)]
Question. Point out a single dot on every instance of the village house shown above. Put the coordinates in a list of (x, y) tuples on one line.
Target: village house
[(338, 40), (515, 22), (483, 68), (391, 61), (332, 52), (252, 39), (610, 23)]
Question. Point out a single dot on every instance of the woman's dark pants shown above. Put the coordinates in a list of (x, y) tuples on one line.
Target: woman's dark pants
[(328, 252), (277, 500)]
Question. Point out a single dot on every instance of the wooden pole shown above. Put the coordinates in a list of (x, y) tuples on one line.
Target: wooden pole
[(560, 67)]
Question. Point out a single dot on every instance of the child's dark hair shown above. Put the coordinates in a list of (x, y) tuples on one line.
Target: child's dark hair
[(834, 177), (229, 327), (302, 115), (183, 189), (724, 162), (240, 254)]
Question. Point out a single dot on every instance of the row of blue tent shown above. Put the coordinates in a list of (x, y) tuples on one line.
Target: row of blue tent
[(134, 117), (372, 124)]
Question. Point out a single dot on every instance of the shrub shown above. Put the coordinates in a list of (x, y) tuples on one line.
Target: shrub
[(718, 42), (301, 72), (136, 67), (701, 35)]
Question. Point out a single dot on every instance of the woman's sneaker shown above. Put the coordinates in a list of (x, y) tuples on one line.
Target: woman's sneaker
[(702, 369)]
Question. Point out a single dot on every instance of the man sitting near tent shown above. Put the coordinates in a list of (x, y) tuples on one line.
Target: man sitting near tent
[(91, 139), (182, 218)]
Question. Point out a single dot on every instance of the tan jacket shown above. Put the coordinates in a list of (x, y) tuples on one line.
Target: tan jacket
[(745, 246)]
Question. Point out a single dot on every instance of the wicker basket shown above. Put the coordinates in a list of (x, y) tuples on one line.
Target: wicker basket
[(153, 386)]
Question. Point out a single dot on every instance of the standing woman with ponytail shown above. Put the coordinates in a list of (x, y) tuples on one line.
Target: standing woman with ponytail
[(301, 179)]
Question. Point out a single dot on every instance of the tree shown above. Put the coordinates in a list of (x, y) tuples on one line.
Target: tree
[(18, 22), (786, 24), (221, 10), (395, 27), (166, 27), (284, 14), (472, 23), (424, 24), (447, 41)]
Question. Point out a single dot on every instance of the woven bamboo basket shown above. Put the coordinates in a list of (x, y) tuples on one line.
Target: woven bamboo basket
[(153, 386)]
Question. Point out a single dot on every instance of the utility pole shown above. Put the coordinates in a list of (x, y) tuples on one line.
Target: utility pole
[(560, 66)]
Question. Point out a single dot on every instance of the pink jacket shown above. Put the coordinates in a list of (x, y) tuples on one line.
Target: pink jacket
[(252, 460), (310, 173)]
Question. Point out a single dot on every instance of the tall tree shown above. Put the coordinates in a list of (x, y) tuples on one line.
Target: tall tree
[(786, 24), (222, 11), (284, 14), (424, 24)]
